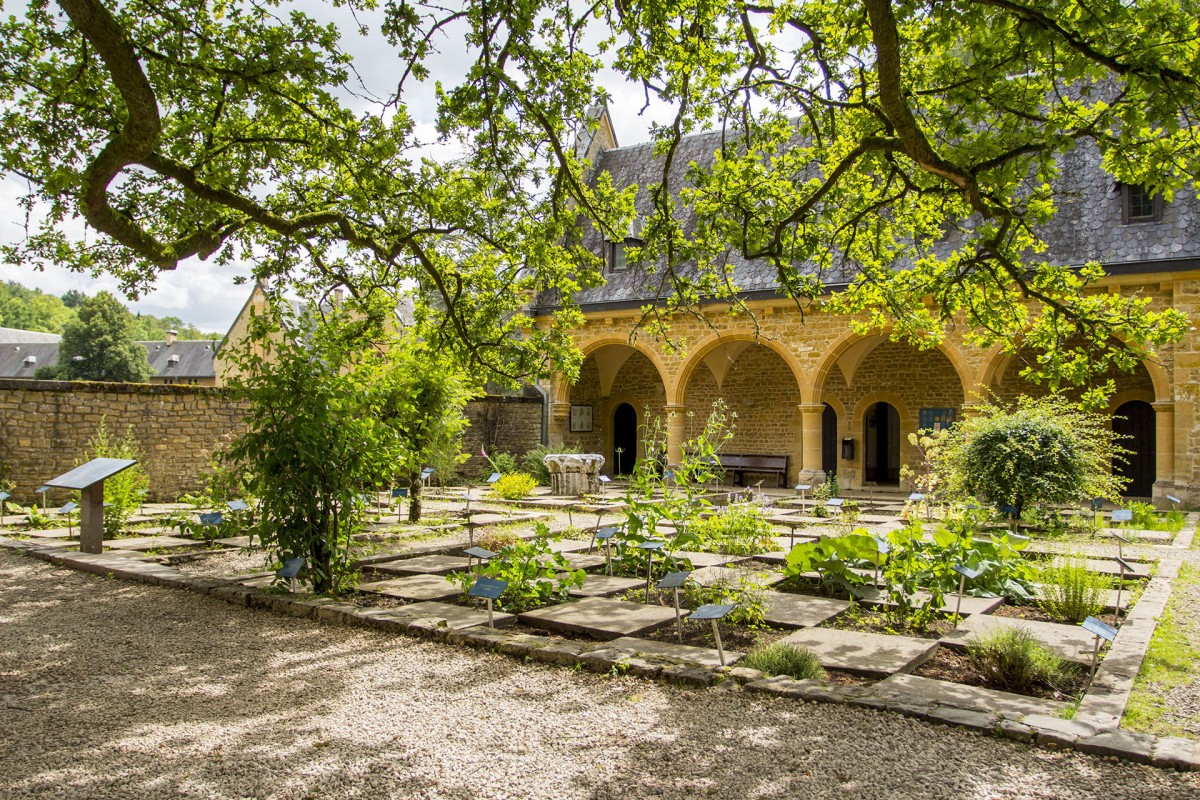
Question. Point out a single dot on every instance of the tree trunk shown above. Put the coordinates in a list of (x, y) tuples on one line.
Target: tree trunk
[(414, 497)]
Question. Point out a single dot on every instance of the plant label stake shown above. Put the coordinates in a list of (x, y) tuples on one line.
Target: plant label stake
[(882, 548), (489, 589), (1120, 539), (479, 553), (290, 569), (1097, 507), (1100, 631), (1122, 565), (42, 490), (964, 572), (398, 494), (605, 535), (713, 612), (650, 547), (803, 489), (673, 581)]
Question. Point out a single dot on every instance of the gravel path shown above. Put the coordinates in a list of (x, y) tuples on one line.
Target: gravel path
[(110, 689)]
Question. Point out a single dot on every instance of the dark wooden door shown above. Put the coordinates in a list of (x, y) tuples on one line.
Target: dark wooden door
[(1134, 421), (625, 439), (881, 441), (829, 440)]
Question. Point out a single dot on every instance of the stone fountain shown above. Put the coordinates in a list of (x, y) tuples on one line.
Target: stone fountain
[(574, 474)]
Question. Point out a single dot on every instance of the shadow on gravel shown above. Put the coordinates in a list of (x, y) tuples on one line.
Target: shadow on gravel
[(118, 690)]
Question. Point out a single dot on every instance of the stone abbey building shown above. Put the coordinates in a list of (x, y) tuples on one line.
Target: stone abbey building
[(831, 400)]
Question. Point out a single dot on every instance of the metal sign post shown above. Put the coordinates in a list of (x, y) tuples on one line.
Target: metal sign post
[(489, 589), (290, 570), (650, 547), (605, 535), (882, 548), (713, 612), (964, 572), (673, 581), (67, 508), (1122, 566), (42, 490), (481, 554), (398, 494), (1101, 631)]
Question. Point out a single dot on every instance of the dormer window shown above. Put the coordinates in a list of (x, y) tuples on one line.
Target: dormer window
[(1138, 204), (617, 261), (30, 360)]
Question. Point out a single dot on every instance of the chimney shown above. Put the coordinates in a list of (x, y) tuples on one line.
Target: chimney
[(172, 335), (339, 294)]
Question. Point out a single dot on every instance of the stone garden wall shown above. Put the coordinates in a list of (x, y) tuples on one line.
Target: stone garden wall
[(45, 427)]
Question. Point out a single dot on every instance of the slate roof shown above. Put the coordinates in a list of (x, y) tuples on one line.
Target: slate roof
[(8, 335), (1088, 225), (13, 357), (195, 358)]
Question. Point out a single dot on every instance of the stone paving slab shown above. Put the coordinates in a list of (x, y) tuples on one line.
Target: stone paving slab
[(699, 559), (711, 576), (431, 565), (148, 543), (414, 587), (703, 656), (974, 698), (863, 653), (1140, 534), (606, 585), (1070, 642), (235, 541), (457, 617), (786, 610), (51, 533), (600, 618)]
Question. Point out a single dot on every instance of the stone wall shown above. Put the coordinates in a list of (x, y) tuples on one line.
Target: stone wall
[(502, 424), (45, 427)]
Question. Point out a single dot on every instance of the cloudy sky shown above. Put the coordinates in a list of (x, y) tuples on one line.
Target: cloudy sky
[(206, 295)]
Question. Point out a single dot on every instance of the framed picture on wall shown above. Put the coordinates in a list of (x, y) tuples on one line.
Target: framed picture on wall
[(581, 419)]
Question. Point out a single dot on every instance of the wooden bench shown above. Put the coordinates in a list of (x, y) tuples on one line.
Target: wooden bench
[(740, 464)]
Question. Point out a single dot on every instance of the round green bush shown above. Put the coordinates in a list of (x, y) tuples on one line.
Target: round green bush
[(779, 658), (515, 485)]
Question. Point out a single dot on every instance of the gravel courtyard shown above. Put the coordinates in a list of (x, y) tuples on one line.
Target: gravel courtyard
[(109, 689)]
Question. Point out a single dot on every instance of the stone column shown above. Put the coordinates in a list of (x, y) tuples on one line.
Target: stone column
[(971, 410), (1164, 449), (560, 421), (676, 433), (810, 443)]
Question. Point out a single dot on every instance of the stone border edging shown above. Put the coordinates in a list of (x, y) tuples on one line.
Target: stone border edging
[(1096, 734)]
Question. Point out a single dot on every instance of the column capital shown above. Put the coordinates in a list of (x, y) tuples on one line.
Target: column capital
[(1163, 405), (811, 408), (673, 408)]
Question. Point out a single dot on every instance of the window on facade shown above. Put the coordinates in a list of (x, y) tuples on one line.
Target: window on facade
[(616, 257), (1138, 204)]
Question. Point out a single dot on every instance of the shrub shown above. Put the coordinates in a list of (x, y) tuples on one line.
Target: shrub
[(780, 658), (749, 595), (535, 574), (123, 492), (535, 465), (504, 463), (1041, 451), (1012, 658), (498, 538), (514, 485), (740, 529), (1071, 592)]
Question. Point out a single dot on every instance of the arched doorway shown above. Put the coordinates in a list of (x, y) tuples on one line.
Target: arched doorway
[(881, 443), (1134, 421), (829, 440), (625, 439)]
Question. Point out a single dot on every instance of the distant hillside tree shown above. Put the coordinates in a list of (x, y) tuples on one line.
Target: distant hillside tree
[(99, 345), (32, 310)]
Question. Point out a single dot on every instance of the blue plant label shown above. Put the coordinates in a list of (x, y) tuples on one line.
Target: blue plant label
[(495, 476), (488, 588), (803, 487), (711, 611), (1174, 499), (237, 505), (1122, 515), (916, 497), (291, 568), (69, 507), (400, 492), (836, 502), (606, 533), (604, 479), (479, 552), (1101, 629), (653, 544), (967, 572), (674, 580), (214, 518)]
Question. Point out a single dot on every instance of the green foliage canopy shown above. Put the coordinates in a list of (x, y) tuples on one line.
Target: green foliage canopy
[(1041, 451), (98, 345), (917, 144)]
